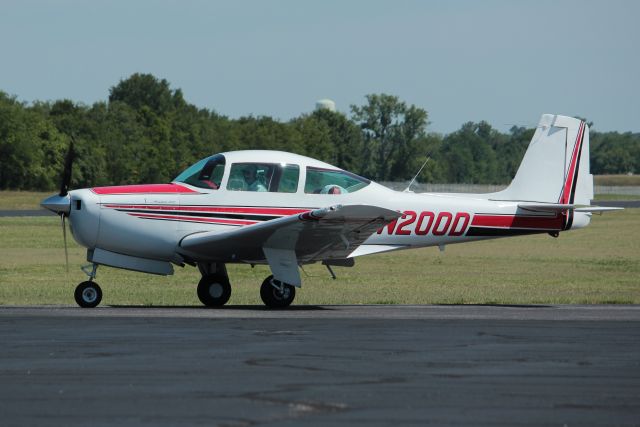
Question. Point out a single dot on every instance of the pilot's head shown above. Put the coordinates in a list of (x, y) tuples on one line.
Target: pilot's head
[(249, 173)]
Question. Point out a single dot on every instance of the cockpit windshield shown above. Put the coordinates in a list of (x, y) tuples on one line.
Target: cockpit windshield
[(207, 173)]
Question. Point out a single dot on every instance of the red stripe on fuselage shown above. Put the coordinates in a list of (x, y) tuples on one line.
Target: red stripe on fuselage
[(143, 188), (213, 209), (194, 219), (515, 221)]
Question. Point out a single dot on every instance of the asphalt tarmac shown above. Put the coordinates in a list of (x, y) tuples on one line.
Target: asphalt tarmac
[(320, 365)]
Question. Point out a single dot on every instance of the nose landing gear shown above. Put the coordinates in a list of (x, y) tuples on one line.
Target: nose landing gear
[(88, 294)]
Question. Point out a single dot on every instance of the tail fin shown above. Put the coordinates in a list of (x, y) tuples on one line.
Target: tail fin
[(555, 168)]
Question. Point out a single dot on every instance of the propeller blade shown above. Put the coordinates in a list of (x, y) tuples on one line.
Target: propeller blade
[(66, 173), (64, 236)]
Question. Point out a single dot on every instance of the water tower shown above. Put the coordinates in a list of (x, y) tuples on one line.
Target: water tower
[(325, 104)]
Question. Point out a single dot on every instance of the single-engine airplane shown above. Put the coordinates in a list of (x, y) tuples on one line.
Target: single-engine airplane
[(286, 210)]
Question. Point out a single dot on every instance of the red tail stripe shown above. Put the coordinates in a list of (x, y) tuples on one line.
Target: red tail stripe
[(513, 221), (566, 191)]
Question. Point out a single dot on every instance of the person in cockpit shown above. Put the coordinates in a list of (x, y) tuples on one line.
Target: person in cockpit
[(250, 174)]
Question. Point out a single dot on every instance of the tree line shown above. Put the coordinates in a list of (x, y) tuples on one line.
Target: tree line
[(147, 132)]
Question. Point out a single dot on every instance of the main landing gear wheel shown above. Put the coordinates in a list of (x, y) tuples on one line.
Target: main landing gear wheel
[(88, 294), (214, 290), (276, 294)]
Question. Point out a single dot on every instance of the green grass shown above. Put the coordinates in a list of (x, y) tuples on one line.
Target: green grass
[(599, 264), (621, 180), (22, 199), (616, 197)]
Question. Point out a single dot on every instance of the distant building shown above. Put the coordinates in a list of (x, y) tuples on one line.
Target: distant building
[(325, 104)]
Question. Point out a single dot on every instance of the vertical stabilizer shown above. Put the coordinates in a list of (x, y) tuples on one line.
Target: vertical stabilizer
[(555, 168)]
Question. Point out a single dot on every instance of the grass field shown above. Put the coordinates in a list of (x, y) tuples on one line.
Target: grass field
[(601, 197), (22, 199), (599, 264), (617, 180)]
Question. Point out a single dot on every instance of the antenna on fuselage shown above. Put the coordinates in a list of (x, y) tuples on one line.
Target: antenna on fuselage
[(408, 189)]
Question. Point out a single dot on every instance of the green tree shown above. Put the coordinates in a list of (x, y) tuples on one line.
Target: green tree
[(509, 153), (265, 133), (391, 131), (313, 138), (346, 138), (147, 132), (31, 148), (615, 153), (81, 124), (469, 155), (145, 90)]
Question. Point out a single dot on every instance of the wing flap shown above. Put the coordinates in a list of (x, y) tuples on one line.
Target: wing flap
[(374, 249)]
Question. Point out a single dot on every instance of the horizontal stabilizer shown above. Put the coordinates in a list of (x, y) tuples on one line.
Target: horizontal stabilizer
[(597, 209), (546, 207), (561, 207)]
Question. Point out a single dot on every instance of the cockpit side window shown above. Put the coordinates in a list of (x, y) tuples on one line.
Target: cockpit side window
[(290, 174), (207, 173), (330, 181), (263, 177)]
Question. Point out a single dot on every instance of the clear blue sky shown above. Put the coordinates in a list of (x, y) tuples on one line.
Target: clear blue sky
[(506, 62)]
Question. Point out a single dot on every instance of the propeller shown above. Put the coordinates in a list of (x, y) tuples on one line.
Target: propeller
[(64, 237), (61, 202), (66, 173), (64, 191)]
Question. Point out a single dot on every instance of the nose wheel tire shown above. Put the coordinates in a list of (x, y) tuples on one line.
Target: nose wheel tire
[(214, 290), (88, 294), (276, 294)]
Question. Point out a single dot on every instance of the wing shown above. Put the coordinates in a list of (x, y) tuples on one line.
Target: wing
[(329, 233)]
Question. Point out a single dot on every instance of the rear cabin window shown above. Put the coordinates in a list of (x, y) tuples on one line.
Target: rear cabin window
[(207, 173), (264, 177), (330, 181)]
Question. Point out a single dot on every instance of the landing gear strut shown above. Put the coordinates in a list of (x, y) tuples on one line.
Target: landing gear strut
[(88, 294), (276, 294), (214, 289)]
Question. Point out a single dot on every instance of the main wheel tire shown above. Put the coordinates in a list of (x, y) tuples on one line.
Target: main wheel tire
[(273, 297), (214, 290), (88, 294)]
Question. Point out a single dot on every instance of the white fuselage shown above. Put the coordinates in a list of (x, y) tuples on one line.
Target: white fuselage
[(149, 223)]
